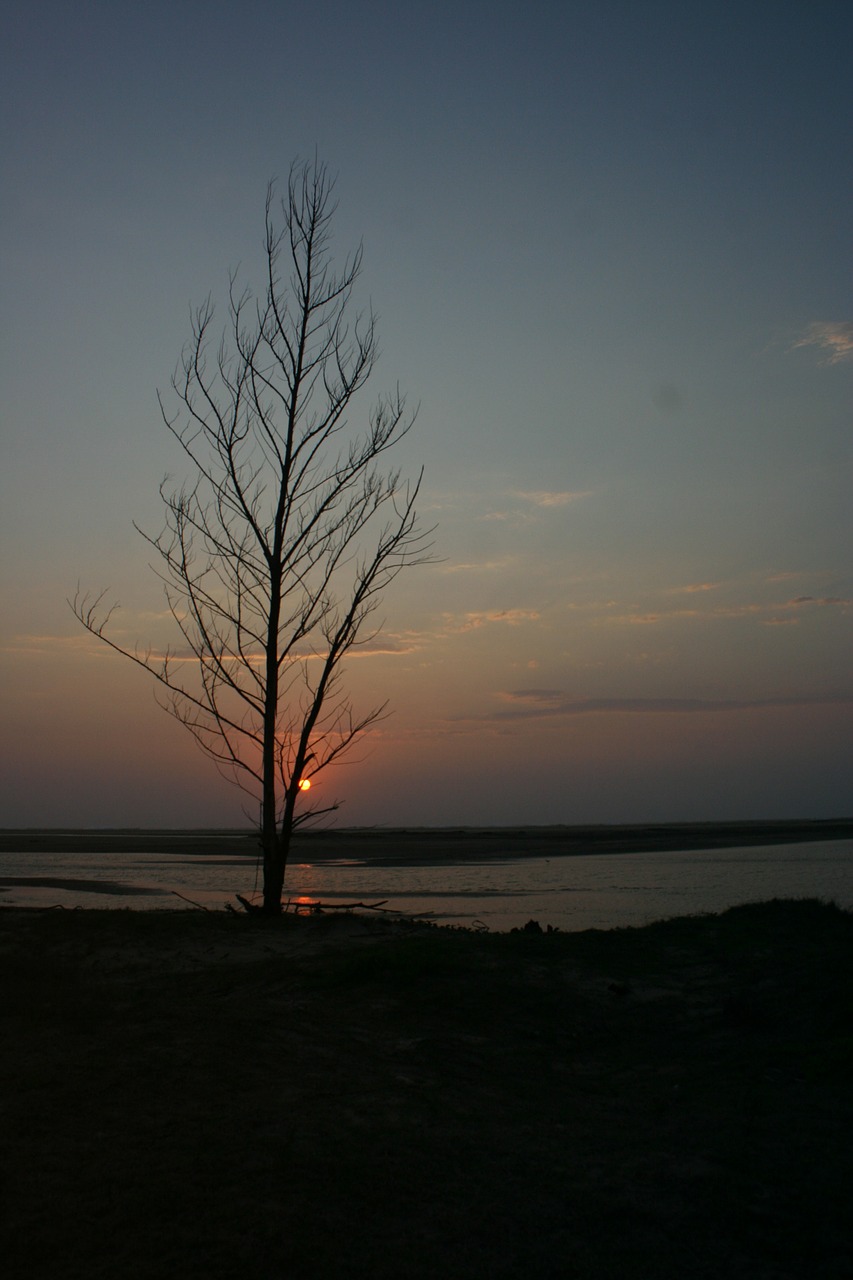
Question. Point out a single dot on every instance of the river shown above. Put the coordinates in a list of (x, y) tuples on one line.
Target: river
[(592, 891)]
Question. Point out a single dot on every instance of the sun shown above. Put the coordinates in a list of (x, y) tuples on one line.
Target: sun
[(305, 784)]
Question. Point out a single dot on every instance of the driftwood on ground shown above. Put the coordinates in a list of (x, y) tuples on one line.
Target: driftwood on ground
[(312, 908)]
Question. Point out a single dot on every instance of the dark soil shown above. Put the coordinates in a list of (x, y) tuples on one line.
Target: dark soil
[(197, 1095)]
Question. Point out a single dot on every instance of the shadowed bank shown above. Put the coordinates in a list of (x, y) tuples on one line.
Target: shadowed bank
[(410, 845), (211, 1095)]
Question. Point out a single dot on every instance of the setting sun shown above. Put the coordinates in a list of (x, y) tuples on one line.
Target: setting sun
[(305, 784)]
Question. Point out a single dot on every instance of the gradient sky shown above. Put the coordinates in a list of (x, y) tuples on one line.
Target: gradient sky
[(610, 248)]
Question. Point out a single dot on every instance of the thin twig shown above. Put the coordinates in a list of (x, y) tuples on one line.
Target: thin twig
[(190, 901)]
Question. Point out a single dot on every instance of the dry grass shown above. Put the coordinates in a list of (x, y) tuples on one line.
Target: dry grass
[(213, 1096)]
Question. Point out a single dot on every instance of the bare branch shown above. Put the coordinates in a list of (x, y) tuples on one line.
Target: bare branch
[(275, 555)]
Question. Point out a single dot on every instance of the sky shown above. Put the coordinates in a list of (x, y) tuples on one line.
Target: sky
[(609, 245)]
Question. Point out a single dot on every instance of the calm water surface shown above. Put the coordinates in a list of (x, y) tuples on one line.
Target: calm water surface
[(596, 891)]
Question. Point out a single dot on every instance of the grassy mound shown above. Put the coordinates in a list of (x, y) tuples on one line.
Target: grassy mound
[(212, 1096)]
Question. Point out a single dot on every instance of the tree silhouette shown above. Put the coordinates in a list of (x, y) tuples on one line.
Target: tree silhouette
[(275, 555)]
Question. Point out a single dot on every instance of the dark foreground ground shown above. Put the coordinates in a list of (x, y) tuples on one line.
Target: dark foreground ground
[(197, 1095)]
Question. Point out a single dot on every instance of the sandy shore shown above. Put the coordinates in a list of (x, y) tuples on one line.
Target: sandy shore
[(428, 845)]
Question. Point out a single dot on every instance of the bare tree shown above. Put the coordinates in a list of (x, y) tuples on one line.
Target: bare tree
[(276, 554)]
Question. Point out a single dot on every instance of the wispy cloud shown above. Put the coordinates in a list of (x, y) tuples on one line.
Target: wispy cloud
[(35, 646), (771, 613), (543, 697), (835, 339), (496, 502), (805, 604), (551, 498), (820, 602), (538, 704), (383, 643), (388, 644), (788, 575), (693, 587), (651, 618), (474, 620), (479, 566)]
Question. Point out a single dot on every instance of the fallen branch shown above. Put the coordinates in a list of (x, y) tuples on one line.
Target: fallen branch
[(311, 907), (197, 905), (251, 907)]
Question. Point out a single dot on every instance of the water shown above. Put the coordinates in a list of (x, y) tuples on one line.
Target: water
[(595, 891)]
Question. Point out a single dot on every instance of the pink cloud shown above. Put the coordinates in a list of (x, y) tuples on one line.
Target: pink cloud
[(833, 338)]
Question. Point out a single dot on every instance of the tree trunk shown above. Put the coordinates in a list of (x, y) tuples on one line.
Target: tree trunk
[(276, 850)]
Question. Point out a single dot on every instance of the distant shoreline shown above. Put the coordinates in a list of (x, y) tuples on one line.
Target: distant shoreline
[(405, 845)]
